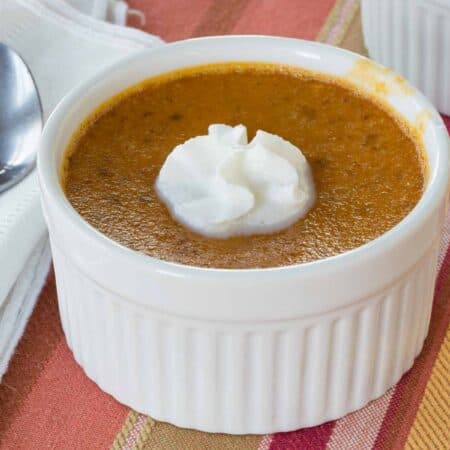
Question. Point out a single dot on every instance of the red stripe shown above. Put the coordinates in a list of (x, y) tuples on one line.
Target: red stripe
[(309, 438), (447, 121)]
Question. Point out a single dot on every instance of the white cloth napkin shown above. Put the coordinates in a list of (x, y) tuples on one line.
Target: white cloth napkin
[(17, 307), (62, 47)]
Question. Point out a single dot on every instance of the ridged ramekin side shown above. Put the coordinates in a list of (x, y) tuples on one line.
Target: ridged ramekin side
[(245, 377), (413, 38)]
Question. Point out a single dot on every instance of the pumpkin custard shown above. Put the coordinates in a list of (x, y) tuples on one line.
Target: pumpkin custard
[(368, 166)]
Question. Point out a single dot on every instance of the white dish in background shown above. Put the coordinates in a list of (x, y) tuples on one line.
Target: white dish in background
[(413, 38), (245, 351)]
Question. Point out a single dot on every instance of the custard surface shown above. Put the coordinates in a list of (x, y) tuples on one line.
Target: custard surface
[(367, 166)]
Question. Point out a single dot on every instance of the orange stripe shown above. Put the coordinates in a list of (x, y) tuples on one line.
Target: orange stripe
[(65, 409)]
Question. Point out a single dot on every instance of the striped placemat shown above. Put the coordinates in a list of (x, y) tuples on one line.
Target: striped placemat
[(46, 401)]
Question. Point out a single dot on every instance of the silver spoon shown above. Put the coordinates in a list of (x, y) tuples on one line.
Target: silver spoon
[(20, 118)]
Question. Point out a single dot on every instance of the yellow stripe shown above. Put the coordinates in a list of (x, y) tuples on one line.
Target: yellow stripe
[(431, 427), (445, 367), (413, 443), (434, 400)]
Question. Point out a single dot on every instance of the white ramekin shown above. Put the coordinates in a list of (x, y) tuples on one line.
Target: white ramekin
[(413, 38), (244, 351)]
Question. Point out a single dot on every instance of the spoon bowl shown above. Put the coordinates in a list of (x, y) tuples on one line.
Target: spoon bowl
[(20, 118)]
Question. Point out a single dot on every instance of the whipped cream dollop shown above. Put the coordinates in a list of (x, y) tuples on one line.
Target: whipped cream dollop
[(221, 185)]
